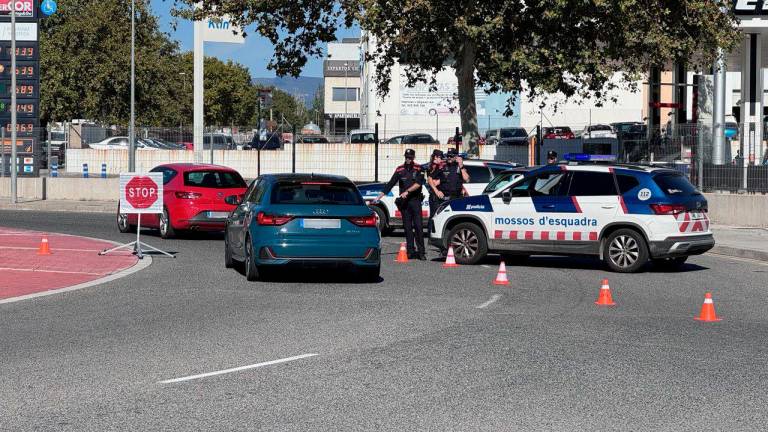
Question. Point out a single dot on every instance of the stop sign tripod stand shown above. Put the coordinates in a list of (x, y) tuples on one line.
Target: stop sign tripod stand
[(139, 194)]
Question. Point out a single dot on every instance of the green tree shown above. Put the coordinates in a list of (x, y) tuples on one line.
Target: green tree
[(85, 64), (288, 109), (230, 96), (571, 47), (317, 112)]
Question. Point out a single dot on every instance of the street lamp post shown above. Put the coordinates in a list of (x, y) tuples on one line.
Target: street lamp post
[(14, 164), (181, 116), (132, 125), (346, 97)]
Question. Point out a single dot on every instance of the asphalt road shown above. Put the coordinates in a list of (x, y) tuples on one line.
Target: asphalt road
[(413, 352)]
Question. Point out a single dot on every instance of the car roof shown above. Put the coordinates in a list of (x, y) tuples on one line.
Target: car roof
[(307, 177), (187, 166), (608, 167)]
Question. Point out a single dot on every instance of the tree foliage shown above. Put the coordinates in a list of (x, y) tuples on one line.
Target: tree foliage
[(572, 47), (85, 67)]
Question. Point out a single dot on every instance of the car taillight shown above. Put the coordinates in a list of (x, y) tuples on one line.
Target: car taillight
[(188, 195), (569, 136), (667, 209), (267, 219), (364, 221)]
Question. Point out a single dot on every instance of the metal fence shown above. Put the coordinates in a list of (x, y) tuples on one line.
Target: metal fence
[(687, 148)]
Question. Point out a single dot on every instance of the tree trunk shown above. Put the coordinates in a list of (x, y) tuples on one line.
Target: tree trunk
[(465, 74)]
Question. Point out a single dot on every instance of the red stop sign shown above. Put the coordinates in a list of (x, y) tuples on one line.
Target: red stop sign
[(141, 192)]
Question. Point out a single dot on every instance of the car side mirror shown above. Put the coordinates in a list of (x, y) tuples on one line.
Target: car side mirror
[(232, 200), (506, 196)]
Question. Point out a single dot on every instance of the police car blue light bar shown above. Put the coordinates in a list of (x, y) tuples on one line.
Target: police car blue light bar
[(583, 157)]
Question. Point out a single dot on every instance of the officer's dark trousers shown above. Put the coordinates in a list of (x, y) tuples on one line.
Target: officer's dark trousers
[(414, 228)]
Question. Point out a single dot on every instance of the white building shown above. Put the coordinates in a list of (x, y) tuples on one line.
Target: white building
[(341, 85)]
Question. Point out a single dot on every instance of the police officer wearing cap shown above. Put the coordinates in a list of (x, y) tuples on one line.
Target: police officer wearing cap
[(410, 178), (450, 179), (432, 167), (552, 157)]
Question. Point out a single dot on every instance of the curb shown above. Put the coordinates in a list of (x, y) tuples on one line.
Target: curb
[(740, 253)]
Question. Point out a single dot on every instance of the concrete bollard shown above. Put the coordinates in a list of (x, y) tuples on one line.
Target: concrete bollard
[(103, 170), (85, 170)]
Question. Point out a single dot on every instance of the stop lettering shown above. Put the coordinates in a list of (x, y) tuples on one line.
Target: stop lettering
[(141, 192)]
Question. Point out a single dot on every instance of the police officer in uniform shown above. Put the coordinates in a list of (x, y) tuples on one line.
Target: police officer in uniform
[(432, 167), (451, 177), (552, 157), (410, 178)]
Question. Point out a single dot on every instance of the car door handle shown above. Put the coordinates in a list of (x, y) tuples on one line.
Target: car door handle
[(609, 207), (549, 206)]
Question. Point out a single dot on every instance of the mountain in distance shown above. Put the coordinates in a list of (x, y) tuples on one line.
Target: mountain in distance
[(303, 86)]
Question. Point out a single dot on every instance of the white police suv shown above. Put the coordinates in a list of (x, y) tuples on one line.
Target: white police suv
[(480, 174), (626, 215)]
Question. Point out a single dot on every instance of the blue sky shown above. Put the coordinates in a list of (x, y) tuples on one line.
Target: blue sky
[(254, 54)]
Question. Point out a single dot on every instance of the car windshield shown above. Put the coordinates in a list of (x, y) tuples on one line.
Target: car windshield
[(214, 179), (501, 181), (316, 192), (367, 138), (675, 184), (513, 133), (600, 128)]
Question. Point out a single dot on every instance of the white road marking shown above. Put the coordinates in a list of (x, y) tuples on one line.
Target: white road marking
[(490, 302), (58, 249), (485, 266), (237, 369), (52, 271)]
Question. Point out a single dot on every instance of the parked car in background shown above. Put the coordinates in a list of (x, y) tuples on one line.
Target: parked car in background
[(312, 139), (557, 132), (265, 141), (598, 131), (412, 139), (120, 143), (623, 128), (220, 141), (506, 136), (362, 136), (193, 199), (302, 220)]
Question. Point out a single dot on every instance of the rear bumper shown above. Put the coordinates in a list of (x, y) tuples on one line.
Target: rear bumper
[(681, 246), (269, 257)]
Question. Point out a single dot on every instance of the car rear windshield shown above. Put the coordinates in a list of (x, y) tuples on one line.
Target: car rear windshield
[(316, 192), (675, 184), (214, 179), (513, 133), (600, 128)]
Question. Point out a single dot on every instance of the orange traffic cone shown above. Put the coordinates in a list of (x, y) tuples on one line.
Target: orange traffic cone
[(402, 255), (501, 276), (605, 298), (708, 310), (450, 260), (44, 248)]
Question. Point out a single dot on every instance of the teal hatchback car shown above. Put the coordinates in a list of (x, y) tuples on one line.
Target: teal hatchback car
[(302, 220)]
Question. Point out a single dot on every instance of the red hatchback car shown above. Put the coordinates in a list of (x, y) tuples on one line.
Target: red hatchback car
[(193, 199)]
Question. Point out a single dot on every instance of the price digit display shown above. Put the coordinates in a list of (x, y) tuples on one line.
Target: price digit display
[(22, 52)]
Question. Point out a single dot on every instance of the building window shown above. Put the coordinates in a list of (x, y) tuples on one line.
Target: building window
[(342, 94)]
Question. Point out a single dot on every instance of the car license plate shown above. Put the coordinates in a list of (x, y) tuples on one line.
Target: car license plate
[(321, 223), (697, 215), (217, 215)]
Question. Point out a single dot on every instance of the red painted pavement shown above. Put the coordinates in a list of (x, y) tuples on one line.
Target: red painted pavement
[(74, 260)]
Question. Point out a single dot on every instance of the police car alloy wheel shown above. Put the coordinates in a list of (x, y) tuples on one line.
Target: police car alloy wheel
[(625, 251), (469, 243), (228, 261)]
